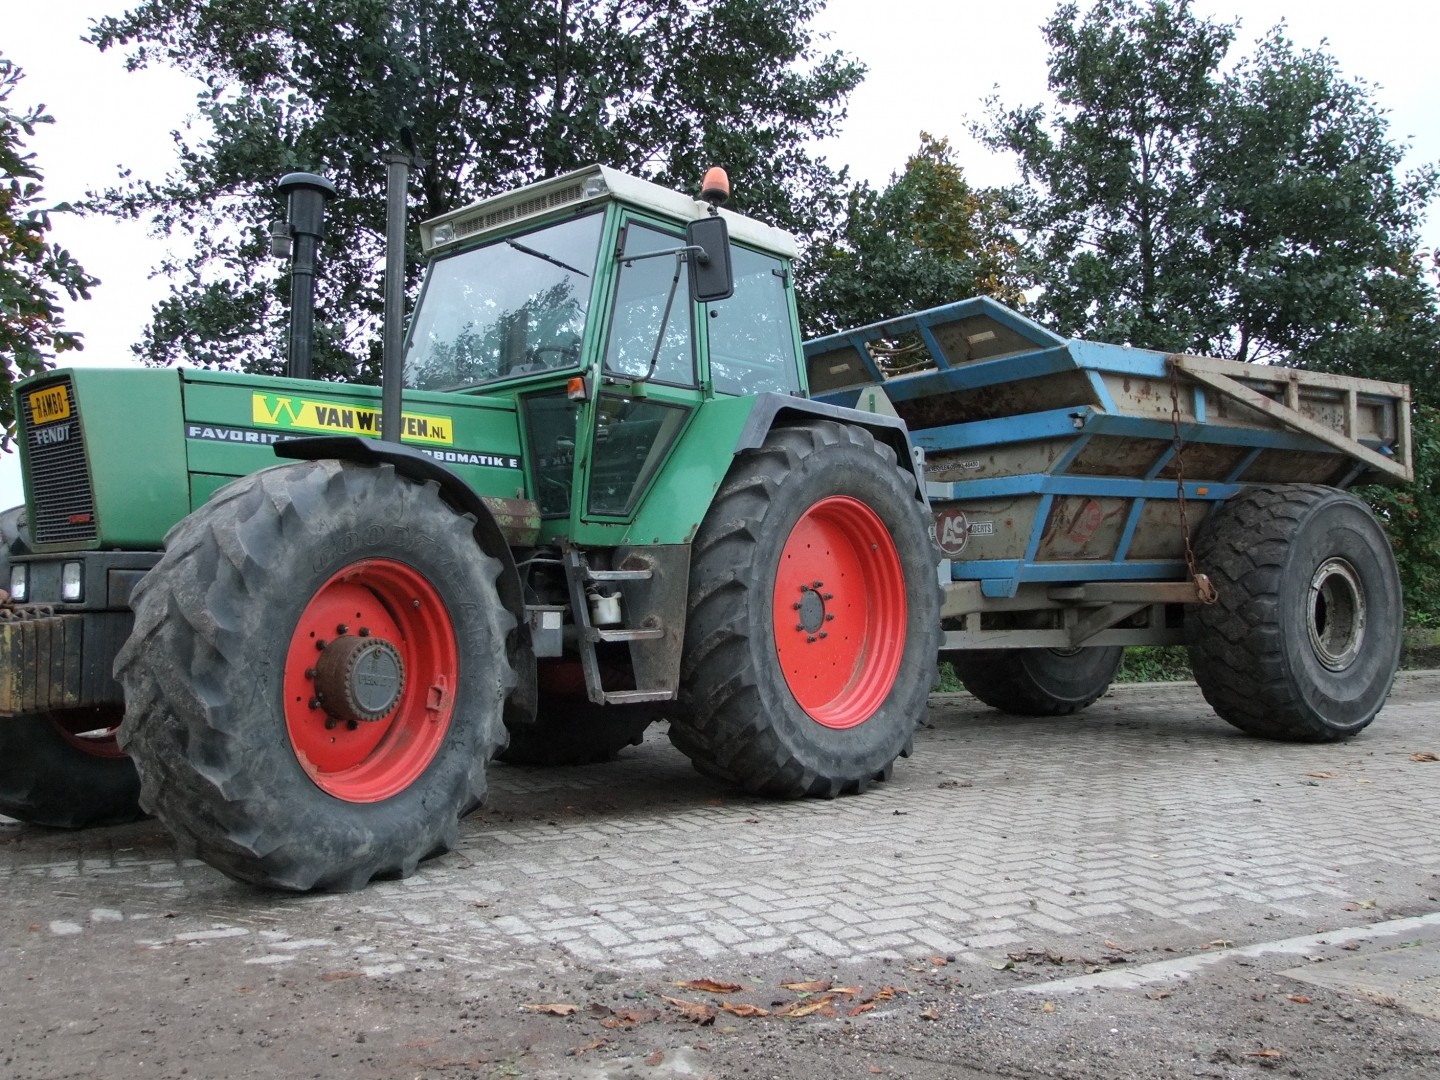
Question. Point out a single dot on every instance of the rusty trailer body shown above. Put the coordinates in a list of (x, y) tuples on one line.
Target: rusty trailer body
[(1053, 473)]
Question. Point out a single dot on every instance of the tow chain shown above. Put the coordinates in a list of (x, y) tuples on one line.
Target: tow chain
[(1203, 589)]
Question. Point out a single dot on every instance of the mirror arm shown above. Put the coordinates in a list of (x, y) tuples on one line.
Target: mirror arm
[(699, 252)]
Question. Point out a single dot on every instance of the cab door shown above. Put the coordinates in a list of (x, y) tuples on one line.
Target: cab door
[(649, 385)]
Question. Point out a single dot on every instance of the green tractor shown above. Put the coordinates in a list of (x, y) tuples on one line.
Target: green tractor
[(603, 498)]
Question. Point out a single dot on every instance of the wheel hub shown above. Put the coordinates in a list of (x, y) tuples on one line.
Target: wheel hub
[(1336, 614), (812, 609), (359, 679)]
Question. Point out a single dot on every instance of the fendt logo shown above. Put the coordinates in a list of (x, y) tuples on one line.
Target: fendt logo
[(301, 414)]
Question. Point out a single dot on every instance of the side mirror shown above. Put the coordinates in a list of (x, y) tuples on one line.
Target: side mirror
[(711, 277)]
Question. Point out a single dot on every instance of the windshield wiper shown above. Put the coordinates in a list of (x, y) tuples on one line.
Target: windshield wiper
[(547, 258)]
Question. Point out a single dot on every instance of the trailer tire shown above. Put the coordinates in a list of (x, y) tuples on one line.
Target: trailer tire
[(759, 705), (51, 775), (247, 773), (1038, 682), (1304, 640)]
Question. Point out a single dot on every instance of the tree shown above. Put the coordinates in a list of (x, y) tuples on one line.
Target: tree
[(927, 239), (33, 268), (1255, 214), (497, 92)]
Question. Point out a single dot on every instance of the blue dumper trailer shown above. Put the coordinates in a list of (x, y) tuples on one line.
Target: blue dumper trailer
[(1088, 497)]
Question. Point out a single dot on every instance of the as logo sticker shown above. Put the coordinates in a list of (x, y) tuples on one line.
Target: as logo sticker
[(951, 531), (302, 414)]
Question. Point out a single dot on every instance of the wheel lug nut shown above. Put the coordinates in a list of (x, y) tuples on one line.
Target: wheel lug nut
[(817, 584), (310, 673), (809, 640), (342, 629), (829, 596), (320, 644), (829, 617), (352, 724), (795, 606), (364, 631), (799, 626), (315, 702), (823, 634), (330, 723)]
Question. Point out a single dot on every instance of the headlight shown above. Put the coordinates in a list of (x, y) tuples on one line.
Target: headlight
[(19, 583), (443, 233), (71, 583)]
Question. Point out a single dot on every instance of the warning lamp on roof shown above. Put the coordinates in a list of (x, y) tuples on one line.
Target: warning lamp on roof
[(715, 188)]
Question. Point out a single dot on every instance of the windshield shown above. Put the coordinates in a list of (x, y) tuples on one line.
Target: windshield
[(510, 308)]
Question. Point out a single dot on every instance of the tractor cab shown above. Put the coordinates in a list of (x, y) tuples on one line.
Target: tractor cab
[(588, 301)]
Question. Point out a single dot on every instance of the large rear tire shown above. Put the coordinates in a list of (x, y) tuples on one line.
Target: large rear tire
[(64, 770), (814, 617), (1304, 641), (317, 676), (1038, 682)]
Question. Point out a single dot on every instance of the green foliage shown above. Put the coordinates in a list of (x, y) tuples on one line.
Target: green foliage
[(1254, 213), (1411, 514), (1155, 663), (949, 682), (33, 269), (498, 93), (927, 239)]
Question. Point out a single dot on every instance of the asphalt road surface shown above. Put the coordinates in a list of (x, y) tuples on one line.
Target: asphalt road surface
[(1139, 891)]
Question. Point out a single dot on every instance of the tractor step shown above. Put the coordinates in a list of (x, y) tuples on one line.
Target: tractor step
[(647, 634), (617, 575), (636, 697)]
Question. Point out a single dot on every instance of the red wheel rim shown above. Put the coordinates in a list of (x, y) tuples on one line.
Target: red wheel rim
[(839, 612), (372, 760), (91, 730)]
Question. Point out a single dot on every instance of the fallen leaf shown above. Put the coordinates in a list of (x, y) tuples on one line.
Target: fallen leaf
[(847, 991), (1048, 1007), (1221, 943), (1424, 755), (552, 1009), (861, 1008), (939, 961), (1205, 946), (744, 1009), (1118, 948), (1351, 907), (1265, 1053), (929, 1014), (815, 987), (1351, 946), (1003, 967), (888, 992), (1300, 999), (1324, 775), (331, 976), (710, 986), (598, 1042), (875, 1068), (694, 1011), (1156, 995), (702, 1046), (656, 1058), (797, 1009), (1367, 904)]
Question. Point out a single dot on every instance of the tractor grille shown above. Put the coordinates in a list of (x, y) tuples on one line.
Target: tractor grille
[(59, 480)]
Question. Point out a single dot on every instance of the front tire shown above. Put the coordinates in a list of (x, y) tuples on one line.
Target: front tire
[(1038, 682), (1304, 640), (292, 765), (814, 617)]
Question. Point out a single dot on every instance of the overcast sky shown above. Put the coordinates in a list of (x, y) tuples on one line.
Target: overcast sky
[(931, 62)]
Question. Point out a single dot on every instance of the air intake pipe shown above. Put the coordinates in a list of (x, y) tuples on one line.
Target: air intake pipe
[(299, 237)]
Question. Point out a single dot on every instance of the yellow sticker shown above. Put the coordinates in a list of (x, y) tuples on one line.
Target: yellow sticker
[(49, 405), (302, 414)]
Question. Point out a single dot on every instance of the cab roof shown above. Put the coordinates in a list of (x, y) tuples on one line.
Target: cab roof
[(593, 184)]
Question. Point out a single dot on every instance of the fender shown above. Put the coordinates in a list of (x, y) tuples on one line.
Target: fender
[(412, 464), (771, 408)]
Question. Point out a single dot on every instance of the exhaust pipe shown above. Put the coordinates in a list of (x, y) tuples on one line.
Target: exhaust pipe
[(300, 237), (392, 375)]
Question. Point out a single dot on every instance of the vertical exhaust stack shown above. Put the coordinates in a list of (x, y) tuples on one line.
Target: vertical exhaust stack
[(305, 225), (392, 376)]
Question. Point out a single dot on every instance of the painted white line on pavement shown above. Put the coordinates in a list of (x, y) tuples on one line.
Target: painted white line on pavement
[(1185, 966)]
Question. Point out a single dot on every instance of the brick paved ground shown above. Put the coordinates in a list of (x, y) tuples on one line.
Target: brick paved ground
[(1145, 817)]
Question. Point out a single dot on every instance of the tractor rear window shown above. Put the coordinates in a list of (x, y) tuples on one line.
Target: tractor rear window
[(752, 342), (513, 307)]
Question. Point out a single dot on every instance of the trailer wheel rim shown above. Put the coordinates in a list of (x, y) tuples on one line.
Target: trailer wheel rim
[(839, 612), (1336, 614), (392, 607)]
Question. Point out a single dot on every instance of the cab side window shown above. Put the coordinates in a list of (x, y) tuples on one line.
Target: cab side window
[(640, 298), (752, 344)]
